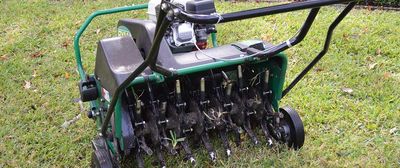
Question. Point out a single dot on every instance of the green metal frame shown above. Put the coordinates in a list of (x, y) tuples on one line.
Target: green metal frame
[(82, 73)]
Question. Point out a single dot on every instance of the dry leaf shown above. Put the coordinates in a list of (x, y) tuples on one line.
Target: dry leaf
[(267, 38), (66, 43), (97, 31), (387, 75), (346, 37), (27, 85), (318, 69), (365, 30), (66, 75), (393, 130), (372, 66), (378, 51), (34, 74), (37, 54), (77, 22), (369, 58), (4, 57), (347, 90)]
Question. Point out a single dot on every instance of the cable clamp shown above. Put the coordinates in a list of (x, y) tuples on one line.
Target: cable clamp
[(288, 43)]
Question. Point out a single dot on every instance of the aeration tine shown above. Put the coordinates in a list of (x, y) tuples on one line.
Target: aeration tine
[(188, 151), (225, 142), (267, 134), (144, 147), (251, 134), (206, 141), (139, 159), (160, 157)]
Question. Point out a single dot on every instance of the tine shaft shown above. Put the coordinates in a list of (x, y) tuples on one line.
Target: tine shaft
[(139, 159), (160, 157), (250, 132), (236, 130), (237, 138), (188, 151), (266, 133), (206, 141), (225, 142), (144, 146)]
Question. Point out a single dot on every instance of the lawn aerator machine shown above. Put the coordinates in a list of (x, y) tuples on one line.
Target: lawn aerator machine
[(157, 87)]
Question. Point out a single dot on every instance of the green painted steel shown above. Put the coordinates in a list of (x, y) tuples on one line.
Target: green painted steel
[(155, 77), (118, 123), (111, 147), (213, 65), (277, 77), (86, 24), (214, 39)]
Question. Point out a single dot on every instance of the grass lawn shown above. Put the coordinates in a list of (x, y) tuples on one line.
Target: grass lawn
[(38, 83)]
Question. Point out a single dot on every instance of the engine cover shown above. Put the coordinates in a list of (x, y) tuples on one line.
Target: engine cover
[(183, 34)]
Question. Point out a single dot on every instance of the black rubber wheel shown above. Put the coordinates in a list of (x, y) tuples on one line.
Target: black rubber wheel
[(101, 157), (296, 129)]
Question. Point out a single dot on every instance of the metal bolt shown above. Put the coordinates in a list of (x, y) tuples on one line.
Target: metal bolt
[(164, 6), (140, 123)]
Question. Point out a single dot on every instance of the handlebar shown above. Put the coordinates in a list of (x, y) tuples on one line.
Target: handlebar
[(246, 14)]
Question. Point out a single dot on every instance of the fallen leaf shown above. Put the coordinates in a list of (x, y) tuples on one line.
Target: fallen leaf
[(98, 31), (267, 38), (393, 130), (27, 85), (387, 75), (8, 137), (78, 22), (37, 54), (378, 51), (318, 69), (66, 43), (4, 57), (66, 75), (365, 30), (369, 58), (372, 66), (346, 37), (34, 74), (347, 90)]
